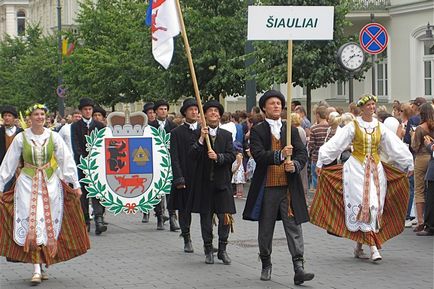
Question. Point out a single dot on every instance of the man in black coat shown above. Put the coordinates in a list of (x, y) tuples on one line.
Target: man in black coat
[(8, 131), (276, 191), (212, 190), (79, 130), (181, 139), (161, 108)]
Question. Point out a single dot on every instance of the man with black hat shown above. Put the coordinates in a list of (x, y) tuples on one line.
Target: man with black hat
[(212, 189), (99, 114), (79, 130), (8, 130), (161, 108), (148, 109), (181, 139), (276, 191)]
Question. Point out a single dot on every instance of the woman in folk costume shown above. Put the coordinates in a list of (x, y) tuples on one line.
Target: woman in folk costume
[(41, 220), (363, 200)]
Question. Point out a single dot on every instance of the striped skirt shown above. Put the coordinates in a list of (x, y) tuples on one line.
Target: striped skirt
[(73, 239), (327, 210)]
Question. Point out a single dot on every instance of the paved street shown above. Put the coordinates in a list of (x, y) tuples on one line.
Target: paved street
[(135, 255)]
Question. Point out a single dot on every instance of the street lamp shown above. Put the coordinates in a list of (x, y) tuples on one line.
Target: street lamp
[(428, 38)]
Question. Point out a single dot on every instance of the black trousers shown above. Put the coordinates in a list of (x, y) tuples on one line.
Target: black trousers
[(184, 221), (98, 209), (429, 207), (159, 210), (206, 228), (275, 201)]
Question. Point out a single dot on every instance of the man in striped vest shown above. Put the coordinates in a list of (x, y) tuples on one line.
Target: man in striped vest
[(276, 191)]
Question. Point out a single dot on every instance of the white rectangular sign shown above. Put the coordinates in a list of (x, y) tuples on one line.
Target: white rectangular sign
[(290, 23)]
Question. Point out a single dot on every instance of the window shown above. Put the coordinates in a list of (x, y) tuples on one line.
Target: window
[(428, 70), (340, 88), (21, 22), (381, 74)]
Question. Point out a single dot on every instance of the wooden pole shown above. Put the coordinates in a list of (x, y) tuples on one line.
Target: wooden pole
[(192, 70), (289, 95)]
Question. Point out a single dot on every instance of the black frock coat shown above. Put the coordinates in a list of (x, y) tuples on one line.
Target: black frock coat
[(78, 140), (181, 140), (217, 198), (260, 147), (3, 141)]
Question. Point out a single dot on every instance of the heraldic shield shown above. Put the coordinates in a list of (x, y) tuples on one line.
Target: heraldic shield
[(128, 166)]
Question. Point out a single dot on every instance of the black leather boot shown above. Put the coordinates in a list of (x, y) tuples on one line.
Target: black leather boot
[(209, 255), (266, 267), (173, 222), (188, 246), (300, 275), (160, 222), (222, 254), (145, 218), (99, 225)]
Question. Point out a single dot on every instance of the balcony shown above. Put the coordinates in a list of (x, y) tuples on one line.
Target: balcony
[(369, 5)]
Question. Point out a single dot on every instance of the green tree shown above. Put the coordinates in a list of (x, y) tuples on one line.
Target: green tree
[(28, 70), (114, 61), (314, 62)]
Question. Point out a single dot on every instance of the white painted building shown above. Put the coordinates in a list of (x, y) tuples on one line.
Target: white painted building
[(406, 70), (44, 12), (13, 17)]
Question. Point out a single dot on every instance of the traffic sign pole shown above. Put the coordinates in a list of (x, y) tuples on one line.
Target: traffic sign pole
[(373, 63)]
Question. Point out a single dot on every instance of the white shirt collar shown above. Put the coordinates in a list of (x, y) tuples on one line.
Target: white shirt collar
[(212, 131), (192, 126), (275, 126), (10, 131)]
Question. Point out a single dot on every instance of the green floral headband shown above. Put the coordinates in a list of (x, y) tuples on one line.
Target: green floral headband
[(365, 98), (34, 107)]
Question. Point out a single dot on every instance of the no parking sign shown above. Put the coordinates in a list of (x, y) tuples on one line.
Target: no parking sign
[(373, 38)]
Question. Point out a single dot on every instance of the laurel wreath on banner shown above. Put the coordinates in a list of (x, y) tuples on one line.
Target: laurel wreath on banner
[(98, 190)]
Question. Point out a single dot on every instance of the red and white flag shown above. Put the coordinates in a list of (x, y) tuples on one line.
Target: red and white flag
[(164, 26)]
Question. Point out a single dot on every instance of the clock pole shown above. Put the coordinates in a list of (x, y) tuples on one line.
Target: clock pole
[(351, 87)]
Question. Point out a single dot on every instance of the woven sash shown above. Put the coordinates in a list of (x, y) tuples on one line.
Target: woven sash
[(30, 242)]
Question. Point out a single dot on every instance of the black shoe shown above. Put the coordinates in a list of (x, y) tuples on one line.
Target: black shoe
[(425, 233), (173, 224), (266, 273), (209, 258), (301, 276), (88, 227), (145, 218), (223, 255), (209, 255), (160, 223), (188, 246), (99, 225)]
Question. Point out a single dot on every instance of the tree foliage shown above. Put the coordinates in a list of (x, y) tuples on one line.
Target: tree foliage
[(28, 70), (114, 61)]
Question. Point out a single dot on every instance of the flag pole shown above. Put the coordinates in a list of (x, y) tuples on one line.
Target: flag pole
[(192, 70), (289, 95)]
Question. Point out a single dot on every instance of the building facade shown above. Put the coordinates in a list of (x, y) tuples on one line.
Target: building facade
[(13, 17), (405, 70)]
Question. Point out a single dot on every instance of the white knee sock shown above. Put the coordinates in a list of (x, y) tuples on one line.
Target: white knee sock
[(374, 249), (37, 268)]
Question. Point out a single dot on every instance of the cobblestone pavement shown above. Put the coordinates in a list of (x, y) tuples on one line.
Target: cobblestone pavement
[(135, 255)]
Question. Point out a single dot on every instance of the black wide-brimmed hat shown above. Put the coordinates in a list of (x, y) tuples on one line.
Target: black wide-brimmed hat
[(213, 103), (148, 106), (189, 102), (99, 109), (86, 102), (9, 108), (269, 94), (161, 102)]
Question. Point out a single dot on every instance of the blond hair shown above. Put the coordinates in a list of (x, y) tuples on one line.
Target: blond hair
[(295, 119)]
